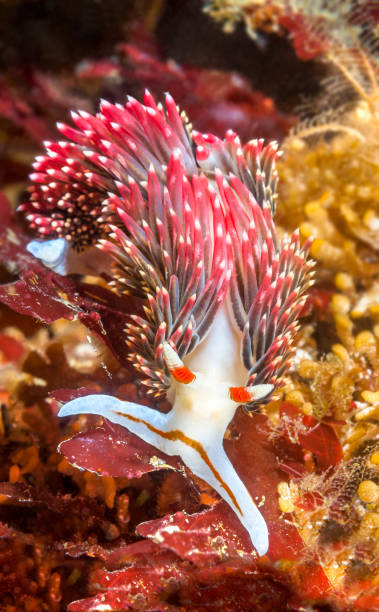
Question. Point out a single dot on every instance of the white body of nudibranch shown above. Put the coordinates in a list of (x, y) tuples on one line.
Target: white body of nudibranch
[(195, 426)]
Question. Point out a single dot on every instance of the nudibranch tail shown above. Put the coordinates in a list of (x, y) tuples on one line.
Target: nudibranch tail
[(53, 253), (205, 459)]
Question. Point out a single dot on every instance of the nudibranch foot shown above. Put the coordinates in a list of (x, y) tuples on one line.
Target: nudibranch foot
[(205, 458)]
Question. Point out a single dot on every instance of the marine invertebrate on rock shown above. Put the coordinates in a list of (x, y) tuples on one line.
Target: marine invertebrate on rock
[(193, 236)]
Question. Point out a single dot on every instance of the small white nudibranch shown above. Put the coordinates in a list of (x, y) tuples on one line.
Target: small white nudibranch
[(57, 255), (52, 253), (186, 220)]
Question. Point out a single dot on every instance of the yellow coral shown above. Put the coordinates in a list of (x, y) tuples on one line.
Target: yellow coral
[(368, 491), (331, 190), (342, 384)]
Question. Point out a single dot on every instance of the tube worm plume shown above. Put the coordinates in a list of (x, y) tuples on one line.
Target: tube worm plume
[(187, 220)]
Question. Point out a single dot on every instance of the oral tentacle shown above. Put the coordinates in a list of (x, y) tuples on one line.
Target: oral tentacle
[(252, 393), (131, 415), (205, 457)]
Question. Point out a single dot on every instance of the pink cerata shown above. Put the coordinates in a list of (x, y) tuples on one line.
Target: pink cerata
[(185, 221)]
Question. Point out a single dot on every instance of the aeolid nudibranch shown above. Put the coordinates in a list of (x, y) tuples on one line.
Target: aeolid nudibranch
[(187, 221)]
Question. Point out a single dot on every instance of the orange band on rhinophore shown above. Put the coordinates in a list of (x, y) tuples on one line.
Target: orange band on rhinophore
[(176, 366), (183, 374), (239, 394)]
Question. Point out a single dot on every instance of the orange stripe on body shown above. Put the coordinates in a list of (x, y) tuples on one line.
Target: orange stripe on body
[(178, 435)]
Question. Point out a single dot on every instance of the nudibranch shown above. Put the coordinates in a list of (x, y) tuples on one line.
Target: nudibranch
[(187, 221)]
